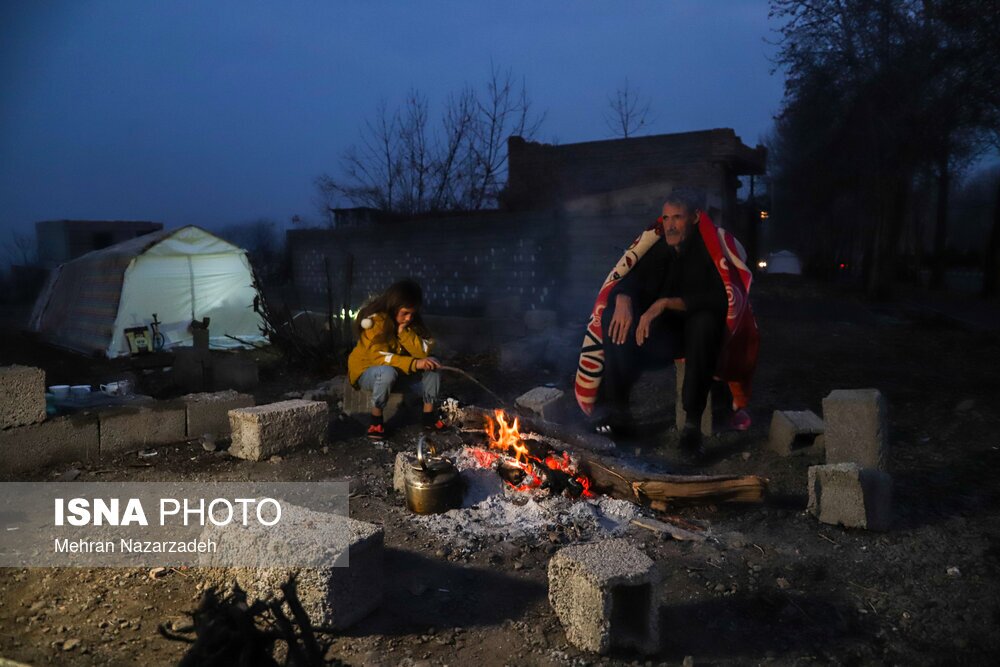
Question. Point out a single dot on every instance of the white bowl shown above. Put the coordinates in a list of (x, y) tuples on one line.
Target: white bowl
[(59, 390), (80, 390)]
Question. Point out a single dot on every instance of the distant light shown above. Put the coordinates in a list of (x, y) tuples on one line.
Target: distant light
[(761, 264), (843, 266), (763, 215)]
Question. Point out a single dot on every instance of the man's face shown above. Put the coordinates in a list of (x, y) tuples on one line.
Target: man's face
[(677, 223), (404, 316)]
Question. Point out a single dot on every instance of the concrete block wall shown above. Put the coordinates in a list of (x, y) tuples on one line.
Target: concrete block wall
[(61, 440), (209, 412), (131, 428)]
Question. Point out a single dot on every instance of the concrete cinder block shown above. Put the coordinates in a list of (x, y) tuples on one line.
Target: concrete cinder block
[(793, 432), (22, 396), (543, 401), (130, 428), (857, 427), (54, 441), (680, 414), (209, 412), (232, 371), (848, 495), (540, 320), (333, 596), (404, 460), (606, 596), (358, 403), (265, 430)]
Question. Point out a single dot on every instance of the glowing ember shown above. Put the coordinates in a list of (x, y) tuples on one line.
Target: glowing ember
[(527, 471)]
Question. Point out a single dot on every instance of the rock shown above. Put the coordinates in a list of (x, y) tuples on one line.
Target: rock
[(70, 644), (953, 571), (783, 583)]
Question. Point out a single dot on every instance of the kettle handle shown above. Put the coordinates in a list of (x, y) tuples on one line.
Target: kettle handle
[(420, 452)]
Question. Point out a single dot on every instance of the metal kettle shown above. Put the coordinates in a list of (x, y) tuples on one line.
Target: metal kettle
[(432, 483)]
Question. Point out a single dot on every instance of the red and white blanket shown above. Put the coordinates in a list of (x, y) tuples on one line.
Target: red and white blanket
[(738, 358)]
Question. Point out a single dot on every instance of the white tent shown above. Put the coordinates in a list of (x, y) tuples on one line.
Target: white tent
[(784, 261), (182, 275)]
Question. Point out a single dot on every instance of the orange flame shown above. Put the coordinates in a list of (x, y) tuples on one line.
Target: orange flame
[(505, 436)]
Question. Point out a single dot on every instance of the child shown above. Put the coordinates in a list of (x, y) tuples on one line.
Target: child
[(393, 340)]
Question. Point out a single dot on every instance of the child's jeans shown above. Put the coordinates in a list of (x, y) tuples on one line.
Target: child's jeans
[(380, 379)]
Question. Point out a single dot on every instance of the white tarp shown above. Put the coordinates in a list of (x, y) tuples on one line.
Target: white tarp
[(784, 261)]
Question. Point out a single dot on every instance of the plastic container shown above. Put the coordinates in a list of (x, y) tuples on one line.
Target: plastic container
[(59, 391)]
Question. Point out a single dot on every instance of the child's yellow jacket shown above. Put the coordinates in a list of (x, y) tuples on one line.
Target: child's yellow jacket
[(368, 353)]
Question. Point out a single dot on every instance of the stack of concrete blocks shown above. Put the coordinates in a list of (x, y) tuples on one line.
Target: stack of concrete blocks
[(58, 440), (606, 596), (344, 586), (546, 402), (853, 489), (130, 428), (263, 431), (680, 414), (208, 413), (27, 439), (358, 403), (795, 432)]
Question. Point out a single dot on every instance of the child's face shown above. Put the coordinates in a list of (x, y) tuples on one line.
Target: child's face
[(404, 315)]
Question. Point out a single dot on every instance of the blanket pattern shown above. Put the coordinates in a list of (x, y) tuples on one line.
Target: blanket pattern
[(738, 357)]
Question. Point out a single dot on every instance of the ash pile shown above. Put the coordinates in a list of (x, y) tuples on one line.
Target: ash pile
[(494, 510), (506, 485)]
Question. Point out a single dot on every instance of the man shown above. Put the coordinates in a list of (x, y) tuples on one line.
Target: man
[(669, 298)]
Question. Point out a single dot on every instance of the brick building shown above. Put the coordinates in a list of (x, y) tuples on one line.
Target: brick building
[(569, 212), (630, 175)]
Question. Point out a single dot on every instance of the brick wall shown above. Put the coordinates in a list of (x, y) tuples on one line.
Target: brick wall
[(463, 264), (524, 260)]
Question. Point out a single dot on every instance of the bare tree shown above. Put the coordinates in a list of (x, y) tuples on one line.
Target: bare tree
[(403, 166), (503, 111), (628, 112), (21, 249)]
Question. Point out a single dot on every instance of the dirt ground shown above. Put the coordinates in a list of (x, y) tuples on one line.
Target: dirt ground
[(781, 589)]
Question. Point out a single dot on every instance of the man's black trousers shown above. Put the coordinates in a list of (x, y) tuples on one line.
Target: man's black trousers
[(695, 337)]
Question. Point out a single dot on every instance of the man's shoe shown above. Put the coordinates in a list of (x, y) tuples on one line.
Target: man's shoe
[(620, 426), (376, 432), (739, 420), (690, 441)]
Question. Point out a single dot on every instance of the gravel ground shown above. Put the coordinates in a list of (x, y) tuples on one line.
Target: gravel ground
[(775, 587)]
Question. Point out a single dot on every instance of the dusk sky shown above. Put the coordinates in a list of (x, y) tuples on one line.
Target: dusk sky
[(213, 113)]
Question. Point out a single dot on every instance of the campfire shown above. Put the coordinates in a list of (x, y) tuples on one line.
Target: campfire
[(528, 465)]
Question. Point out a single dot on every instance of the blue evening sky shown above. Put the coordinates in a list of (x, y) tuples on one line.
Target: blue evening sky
[(217, 112)]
